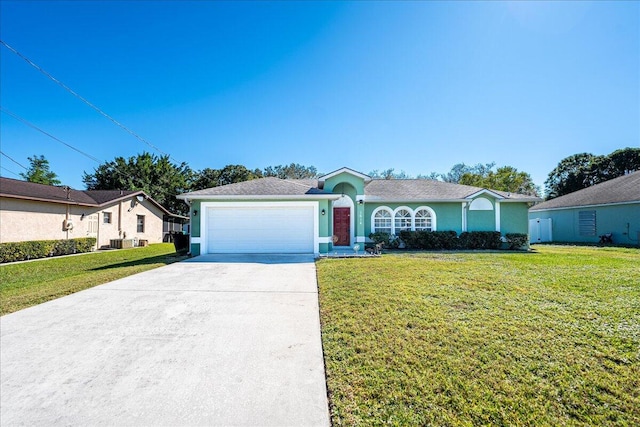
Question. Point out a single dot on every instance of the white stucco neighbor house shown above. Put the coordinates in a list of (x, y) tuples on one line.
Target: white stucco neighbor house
[(30, 211), (339, 210)]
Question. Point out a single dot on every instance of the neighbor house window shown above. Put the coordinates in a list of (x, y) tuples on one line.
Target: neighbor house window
[(106, 217), (587, 223), (424, 220), (140, 223), (402, 220), (382, 221)]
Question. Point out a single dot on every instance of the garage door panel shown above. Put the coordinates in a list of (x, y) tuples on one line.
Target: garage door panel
[(264, 229)]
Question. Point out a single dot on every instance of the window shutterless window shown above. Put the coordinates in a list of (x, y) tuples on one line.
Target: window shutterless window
[(140, 223), (382, 222), (106, 217), (423, 220)]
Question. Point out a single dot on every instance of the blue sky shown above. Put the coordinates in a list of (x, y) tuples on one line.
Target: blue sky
[(415, 86)]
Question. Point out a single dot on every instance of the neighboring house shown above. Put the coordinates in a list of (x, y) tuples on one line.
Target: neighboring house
[(611, 207), (30, 211), (341, 209)]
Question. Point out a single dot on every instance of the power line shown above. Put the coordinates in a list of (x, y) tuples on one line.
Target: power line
[(31, 125), (8, 157), (71, 91), (10, 171)]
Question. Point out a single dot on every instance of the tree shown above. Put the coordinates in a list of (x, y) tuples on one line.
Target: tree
[(39, 171), (156, 176), (457, 170), (230, 174), (505, 178), (388, 174), (292, 171), (583, 170)]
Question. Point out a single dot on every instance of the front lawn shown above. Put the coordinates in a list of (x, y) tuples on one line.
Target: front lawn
[(459, 339), (25, 284)]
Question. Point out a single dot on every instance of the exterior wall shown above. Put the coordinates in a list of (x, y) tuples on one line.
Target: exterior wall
[(623, 221), (325, 222), (344, 177), (24, 220), (514, 218), (448, 215), (126, 226)]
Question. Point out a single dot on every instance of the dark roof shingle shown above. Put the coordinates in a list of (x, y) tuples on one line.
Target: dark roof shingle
[(618, 190)]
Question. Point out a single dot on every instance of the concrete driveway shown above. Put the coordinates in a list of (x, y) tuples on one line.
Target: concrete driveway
[(216, 340)]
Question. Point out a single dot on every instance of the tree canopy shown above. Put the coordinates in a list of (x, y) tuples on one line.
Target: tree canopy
[(230, 174), (39, 171), (505, 178), (292, 171), (156, 176), (583, 170)]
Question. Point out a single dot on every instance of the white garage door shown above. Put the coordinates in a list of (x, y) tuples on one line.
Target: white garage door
[(264, 229)]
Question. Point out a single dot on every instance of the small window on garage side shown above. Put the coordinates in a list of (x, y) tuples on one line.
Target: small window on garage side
[(106, 217), (140, 223), (587, 223), (382, 221)]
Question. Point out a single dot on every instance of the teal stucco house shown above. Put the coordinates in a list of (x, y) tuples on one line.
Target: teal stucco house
[(339, 210), (611, 207)]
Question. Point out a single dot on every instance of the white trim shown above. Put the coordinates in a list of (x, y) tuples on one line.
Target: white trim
[(434, 223), (483, 191), (326, 239), (206, 205), (373, 216), (366, 178), (196, 240), (349, 204), (497, 209), (585, 206), (481, 204), (393, 219), (311, 197), (464, 216), (361, 239)]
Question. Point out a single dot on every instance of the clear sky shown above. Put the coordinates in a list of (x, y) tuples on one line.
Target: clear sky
[(415, 86)]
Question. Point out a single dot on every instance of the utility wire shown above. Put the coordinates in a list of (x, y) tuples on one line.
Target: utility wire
[(8, 157), (10, 171), (71, 91), (31, 125)]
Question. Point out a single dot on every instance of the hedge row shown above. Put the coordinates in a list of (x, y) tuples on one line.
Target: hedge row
[(20, 251), (447, 240)]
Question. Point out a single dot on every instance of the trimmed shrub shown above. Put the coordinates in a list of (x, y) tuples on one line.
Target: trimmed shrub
[(430, 240), (380, 237), (480, 240), (20, 251), (517, 241)]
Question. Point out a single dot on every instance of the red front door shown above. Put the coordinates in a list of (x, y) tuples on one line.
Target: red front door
[(342, 226)]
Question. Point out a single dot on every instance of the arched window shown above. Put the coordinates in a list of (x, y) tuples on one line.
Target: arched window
[(423, 220), (382, 221), (402, 220)]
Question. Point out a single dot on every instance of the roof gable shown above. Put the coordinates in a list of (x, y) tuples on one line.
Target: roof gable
[(366, 178), (623, 189)]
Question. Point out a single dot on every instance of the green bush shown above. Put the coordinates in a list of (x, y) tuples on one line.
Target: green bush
[(20, 251), (480, 240), (430, 240), (517, 241)]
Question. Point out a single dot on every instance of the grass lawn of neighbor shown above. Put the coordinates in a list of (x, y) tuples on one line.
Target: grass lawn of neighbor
[(549, 338), (29, 283)]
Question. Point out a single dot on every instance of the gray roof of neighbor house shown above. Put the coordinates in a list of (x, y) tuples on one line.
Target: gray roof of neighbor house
[(623, 189), (17, 189), (269, 186), (376, 189)]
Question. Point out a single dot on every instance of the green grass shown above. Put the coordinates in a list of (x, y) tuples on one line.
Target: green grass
[(26, 284), (460, 339)]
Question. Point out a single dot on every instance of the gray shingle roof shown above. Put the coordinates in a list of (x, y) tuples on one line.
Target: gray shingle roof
[(15, 188), (618, 190), (270, 186), (377, 189)]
